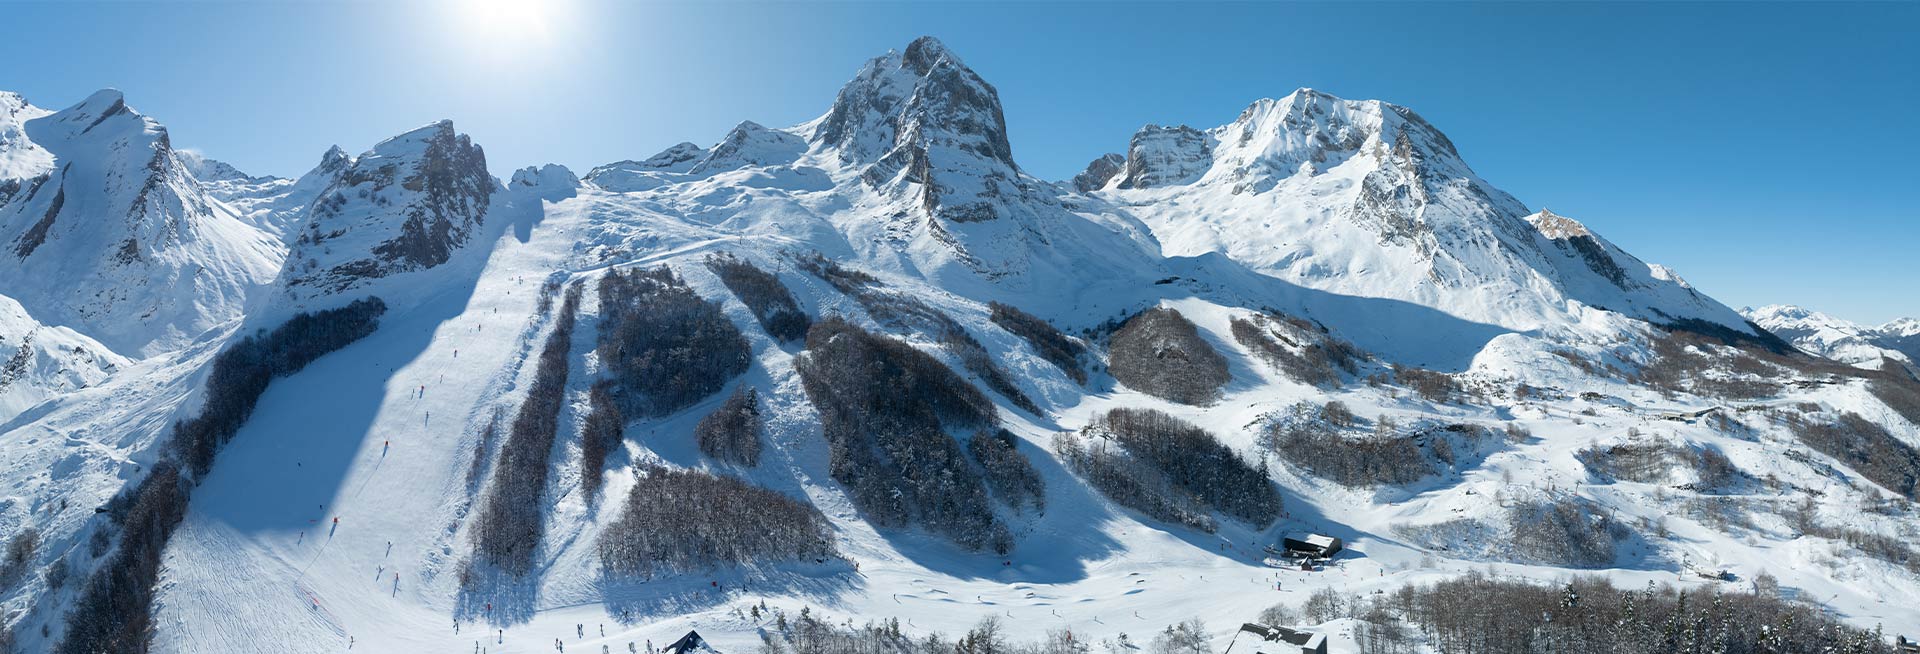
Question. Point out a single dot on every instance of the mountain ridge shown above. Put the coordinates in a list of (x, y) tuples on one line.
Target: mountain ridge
[(1381, 347)]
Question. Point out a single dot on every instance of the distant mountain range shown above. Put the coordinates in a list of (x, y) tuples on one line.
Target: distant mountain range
[(595, 400)]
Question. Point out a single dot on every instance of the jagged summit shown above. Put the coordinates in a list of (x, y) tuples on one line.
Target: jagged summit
[(1099, 172), (1367, 198), (405, 205), (146, 257), (920, 121)]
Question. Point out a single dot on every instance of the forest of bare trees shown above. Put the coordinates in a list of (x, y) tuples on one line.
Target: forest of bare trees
[(114, 610), (1862, 445), (1058, 349), (664, 347), (1325, 441), (599, 435), (1160, 353), (769, 300), (513, 512), (1305, 351), (904, 313), (1169, 470), (1479, 614), (886, 409), (1007, 470), (732, 432), (678, 520)]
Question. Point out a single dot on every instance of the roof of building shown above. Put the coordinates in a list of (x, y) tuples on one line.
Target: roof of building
[(1315, 540), (1263, 639)]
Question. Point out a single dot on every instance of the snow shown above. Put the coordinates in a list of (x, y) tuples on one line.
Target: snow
[(145, 259), (381, 434), (1840, 339), (39, 362)]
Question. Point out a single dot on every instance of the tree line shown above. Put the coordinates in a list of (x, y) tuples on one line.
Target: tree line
[(512, 515), (114, 610), (885, 409), (678, 520), (1169, 470), (901, 312), (769, 300), (1160, 353)]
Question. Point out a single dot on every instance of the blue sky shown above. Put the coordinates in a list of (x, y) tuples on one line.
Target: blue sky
[(1763, 150)]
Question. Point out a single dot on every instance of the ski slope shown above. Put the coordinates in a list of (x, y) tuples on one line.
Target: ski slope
[(340, 515)]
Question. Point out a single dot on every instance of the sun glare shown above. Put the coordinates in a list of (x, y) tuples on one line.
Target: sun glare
[(495, 24)]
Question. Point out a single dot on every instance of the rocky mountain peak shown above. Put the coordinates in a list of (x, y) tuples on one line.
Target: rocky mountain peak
[(923, 122), (925, 97), (1162, 156), (146, 257), (1556, 226), (1099, 172), (405, 205)]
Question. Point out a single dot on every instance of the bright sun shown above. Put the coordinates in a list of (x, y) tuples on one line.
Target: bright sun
[(498, 23)]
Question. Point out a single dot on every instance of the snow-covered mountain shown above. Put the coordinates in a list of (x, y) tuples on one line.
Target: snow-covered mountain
[(126, 245), (1366, 198), (1839, 339), (38, 362), (1461, 369), (406, 205)]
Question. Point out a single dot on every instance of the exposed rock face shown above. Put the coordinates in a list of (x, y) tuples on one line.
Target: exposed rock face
[(1573, 238), (95, 196), (1099, 172), (921, 121), (1161, 156), (549, 175), (405, 205), (39, 361)]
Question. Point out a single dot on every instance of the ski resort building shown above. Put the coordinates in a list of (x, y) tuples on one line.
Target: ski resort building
[(691, 643), (1262, 639), (1688, 416), (1314, 545)]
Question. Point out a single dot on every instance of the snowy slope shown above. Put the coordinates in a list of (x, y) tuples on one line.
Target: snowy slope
[(272, 204), (38, 362), (1366, 198), (96, 198), (1355, 216), (1839, 339)]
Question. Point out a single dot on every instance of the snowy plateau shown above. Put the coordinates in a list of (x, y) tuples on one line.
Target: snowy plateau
[(866, 370)]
